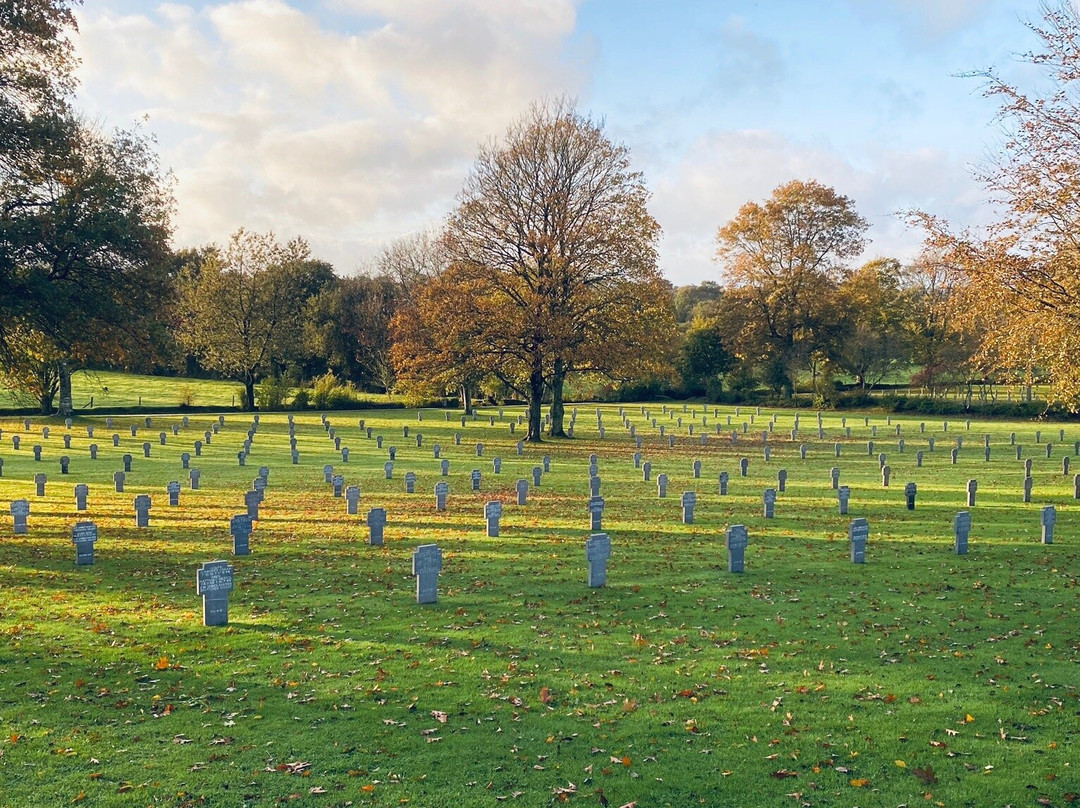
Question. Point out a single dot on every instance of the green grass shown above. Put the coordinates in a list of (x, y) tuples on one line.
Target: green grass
[(111, 389), (806, 680)]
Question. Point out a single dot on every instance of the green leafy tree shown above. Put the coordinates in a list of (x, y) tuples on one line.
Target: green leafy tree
[(241, 305)]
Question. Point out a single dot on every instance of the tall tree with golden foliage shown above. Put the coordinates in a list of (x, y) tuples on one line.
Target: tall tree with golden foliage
[(1024, 270), (554, 262)]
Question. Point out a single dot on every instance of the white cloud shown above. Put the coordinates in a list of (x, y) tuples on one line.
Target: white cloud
[(721, 171), (347, 136)]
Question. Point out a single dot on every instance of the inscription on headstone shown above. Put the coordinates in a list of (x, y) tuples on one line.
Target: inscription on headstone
[(961, 530), (240, 528), (427, 564), (597, 553), (214, 581), (1049, 519), (736, 541), (858, 533), (376, 522), (83, 536)]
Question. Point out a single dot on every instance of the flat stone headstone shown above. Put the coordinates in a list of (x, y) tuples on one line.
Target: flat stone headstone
[(496, 465), (441, 491), (240, 529), (193, 479), (843, 496), (427, 564), (118, 481), (93, 451), (781, 480), (492, 514), (736, 542), (930, 444), (723, 480), (475, 477), (522, 491), (637, 460), (858, 533), (1049, 519), (142, 506), (410, 481), (597, 553), (241, 457), (127, 462), (911, 490), (20, 510), (388, 469), (376, 522), (214, 582), (961, 530), (972, 487), (173, 490), (444, 467), (661, 485), (802, 451), (83, 536)]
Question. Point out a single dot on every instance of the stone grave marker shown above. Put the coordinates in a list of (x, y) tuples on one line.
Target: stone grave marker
[(185, 460), (918, 459), (537, 472), (193, 479), (597, 553), (1027, 467), (39, 482), (1049, 519), (596, 512), (858, 533), (83, 536), (886, 473), (769, 499), (294, 455), (241, 457), (953, 455), (744, 466), (376, 522), (352, 500), (173, 490), (594, 486), (198, 448), (723, 480), (843, 496), (1049, 450), (37, 452), (661, 485), (781, 480), (441, 490), (475, 477), (214, 581), (20, 509), (1065, 466), (802, 451), (338, 481), (689, 500), (81, 491), (834, 476), (388, 469), (252, 499), (118, 481), (134, 430), (972, 487), (961, 530), (492, 514), (240, 529), (736, 541), (142, 510), (911, 490), (127, 462), (427, 564), (161, 438), (930, 444), (1027, 489), (93, 451), (836, 449), (522, 491), (637, 460), (67, 441)]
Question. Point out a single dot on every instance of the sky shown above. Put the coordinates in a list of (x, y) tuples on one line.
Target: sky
[(352, 123)]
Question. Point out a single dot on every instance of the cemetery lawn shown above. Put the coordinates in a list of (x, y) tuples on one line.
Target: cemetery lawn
[(919, 678)]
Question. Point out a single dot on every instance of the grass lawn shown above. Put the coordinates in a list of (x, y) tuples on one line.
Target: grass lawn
[(919, 678), (109, 389)]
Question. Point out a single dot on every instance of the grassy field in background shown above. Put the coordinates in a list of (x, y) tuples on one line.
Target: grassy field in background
[(919, 678), (111, 389)]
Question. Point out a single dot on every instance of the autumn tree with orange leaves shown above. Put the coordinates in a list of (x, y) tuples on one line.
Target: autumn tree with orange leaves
[(553, 268)]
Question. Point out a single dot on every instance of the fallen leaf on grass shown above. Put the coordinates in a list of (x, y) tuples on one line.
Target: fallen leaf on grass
[(860, 782), (782, 774), (926, 775)]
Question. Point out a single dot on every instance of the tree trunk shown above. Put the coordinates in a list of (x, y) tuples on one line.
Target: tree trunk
[(557, 409), (465, 396), (249, 392), (536, 396), (65, 389)]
